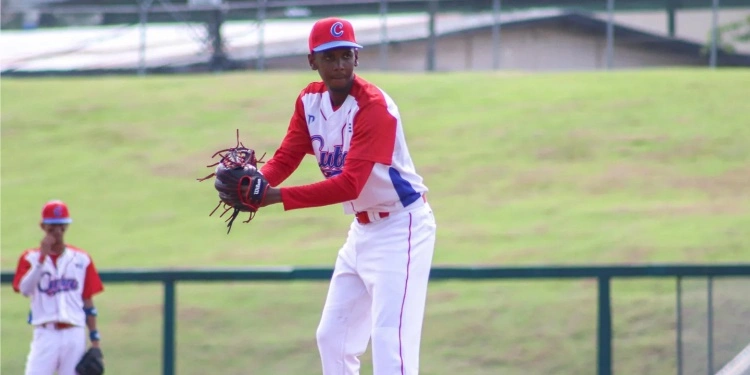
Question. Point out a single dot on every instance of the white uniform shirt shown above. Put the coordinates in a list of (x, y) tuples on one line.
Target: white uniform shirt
[(57, 289), (393, 182)]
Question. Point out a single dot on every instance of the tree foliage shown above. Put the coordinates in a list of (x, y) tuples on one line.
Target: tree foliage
[(729, 34)]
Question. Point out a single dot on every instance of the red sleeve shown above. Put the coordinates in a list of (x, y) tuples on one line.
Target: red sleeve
[(23, 267), (294, 147), (340, 188), (93, 283), (374, 135)]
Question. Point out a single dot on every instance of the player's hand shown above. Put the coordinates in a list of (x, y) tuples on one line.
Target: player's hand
[(47, 242), (46, 245)]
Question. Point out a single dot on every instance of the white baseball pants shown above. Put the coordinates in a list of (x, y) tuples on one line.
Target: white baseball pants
[(378, 292), (56, 351)]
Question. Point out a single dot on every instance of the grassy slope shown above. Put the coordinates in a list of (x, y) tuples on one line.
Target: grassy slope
[(630, 167)]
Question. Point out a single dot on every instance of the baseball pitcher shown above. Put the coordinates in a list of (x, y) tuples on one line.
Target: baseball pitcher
[(353, 128)]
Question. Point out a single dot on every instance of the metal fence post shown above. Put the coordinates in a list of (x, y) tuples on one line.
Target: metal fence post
[(169, 328), (710, 325), (218, 61), (496, 47), (671, 10), (142, 19), (383, 35), (714, 33), (679, 325), (610, 50), (261, 59), (604, 332), (432, 42)]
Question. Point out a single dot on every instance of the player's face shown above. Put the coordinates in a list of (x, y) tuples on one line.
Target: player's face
[(336, 67), (56, 230)]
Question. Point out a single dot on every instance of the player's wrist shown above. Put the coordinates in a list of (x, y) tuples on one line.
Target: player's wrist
[(94, 336), (273, 196)]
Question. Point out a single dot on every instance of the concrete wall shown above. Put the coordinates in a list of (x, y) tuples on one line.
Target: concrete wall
[(551, 47)]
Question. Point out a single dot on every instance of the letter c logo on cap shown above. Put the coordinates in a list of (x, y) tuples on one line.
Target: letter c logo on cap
[(337, 29)]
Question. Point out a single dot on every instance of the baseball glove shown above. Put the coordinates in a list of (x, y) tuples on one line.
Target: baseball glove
[(92, 362), (238, 167)]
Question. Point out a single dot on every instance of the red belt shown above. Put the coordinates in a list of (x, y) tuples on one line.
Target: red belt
[(57, 325), (364, 217)]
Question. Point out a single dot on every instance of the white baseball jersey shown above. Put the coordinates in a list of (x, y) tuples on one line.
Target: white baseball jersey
[(393, 183), (58, 286)]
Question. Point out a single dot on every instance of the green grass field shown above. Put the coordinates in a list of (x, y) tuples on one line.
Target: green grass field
[(585, 168)]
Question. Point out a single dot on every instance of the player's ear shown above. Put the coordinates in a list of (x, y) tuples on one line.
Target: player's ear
[(311, 60), (356, 57)]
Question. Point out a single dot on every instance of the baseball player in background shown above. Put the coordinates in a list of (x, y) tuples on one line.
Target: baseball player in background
[(379, 285), (60, 281)]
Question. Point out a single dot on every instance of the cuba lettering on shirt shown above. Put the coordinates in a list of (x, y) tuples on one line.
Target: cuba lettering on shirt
[(62, 285), (379, 137)]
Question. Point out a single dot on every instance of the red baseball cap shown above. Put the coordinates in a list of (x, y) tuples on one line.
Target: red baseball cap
[(330, 33), (56, 212)]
